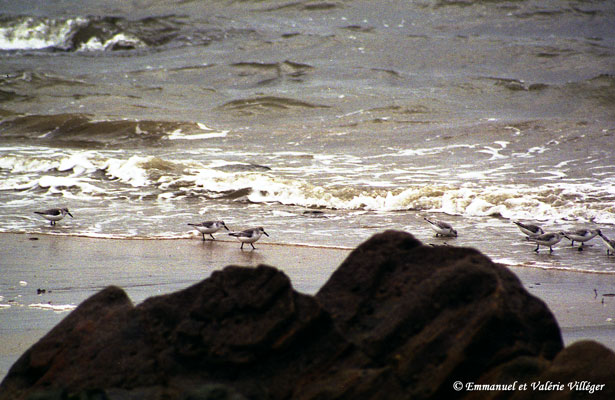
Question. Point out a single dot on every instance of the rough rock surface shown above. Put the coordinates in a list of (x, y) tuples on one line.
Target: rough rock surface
[(435, 316), (396, 320)]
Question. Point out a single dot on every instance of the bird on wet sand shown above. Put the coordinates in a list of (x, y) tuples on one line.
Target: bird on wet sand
[(249, 236), (609, 243), (547, 239), (530, 230), (442, 228), (209, 227), (581, 235), (54, 214)]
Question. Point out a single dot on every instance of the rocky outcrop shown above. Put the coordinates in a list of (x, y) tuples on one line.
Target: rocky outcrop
[(397, 319), (243, 327), (435, 315)]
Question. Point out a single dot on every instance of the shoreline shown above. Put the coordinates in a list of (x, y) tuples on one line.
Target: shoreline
[(196, 237), (43, 273)]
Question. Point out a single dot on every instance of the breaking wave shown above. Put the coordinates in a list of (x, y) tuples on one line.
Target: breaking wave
[(95, 174), (94, 33)]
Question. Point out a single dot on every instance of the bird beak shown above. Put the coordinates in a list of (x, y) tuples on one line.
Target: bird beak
[(265, 233), (71, 215), (226, 227)]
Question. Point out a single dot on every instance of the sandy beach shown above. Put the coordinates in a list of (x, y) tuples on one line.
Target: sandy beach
[(43, 277)]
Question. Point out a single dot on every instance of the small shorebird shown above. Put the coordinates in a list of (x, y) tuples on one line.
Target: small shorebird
[(581, 235), (609, 243), (249, 236), (530, 230), (209, 227), (547, 239), (442, 228), (54, 214)]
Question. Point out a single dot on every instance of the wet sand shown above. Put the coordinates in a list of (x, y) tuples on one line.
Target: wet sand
[(45, 276)]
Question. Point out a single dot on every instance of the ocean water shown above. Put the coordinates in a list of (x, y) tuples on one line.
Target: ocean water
[(323, 121)]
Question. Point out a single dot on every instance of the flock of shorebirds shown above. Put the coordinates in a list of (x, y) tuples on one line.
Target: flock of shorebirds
[(209, 227), (537, 235), (533, 232), (246, 236)]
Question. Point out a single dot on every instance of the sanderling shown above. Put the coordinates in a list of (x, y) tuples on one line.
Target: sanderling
[(209, 227), (442, 228), (530, 230), (249, 236), (54, 214), (609, 243), (581, 235), (547, 239)]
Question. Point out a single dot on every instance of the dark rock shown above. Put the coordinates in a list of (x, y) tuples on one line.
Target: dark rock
[(245, 327), (585, 368), (213, 392), (51, 361), (398, 319), (435, 314)]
